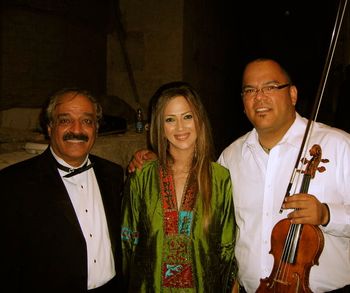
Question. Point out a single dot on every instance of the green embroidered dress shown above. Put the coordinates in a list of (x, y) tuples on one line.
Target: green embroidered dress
[(165, 248)]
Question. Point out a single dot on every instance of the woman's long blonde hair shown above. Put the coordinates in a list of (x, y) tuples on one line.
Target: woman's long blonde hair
[(204, 154)]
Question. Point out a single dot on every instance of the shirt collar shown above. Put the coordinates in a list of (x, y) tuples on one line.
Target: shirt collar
[(293, 136), (62, 162)]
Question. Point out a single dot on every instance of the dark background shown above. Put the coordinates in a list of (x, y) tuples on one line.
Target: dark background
[(219, 37), (296, 33)]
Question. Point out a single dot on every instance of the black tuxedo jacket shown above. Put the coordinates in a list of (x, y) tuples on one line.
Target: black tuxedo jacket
[(43, 247)]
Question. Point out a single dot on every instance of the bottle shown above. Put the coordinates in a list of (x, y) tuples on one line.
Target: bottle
[(139, 121)]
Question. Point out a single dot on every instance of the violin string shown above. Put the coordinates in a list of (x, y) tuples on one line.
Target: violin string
[(283, 264), (291, 235)]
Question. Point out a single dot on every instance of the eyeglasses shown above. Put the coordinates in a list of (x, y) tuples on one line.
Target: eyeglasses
[(266, 90)]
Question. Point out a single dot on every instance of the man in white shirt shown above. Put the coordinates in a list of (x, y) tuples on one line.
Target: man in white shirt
[(261, 164)]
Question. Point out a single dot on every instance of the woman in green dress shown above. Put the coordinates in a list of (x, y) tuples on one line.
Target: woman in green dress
[(178, 225)]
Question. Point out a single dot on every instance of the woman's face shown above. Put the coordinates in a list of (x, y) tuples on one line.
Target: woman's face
[(179, 125)]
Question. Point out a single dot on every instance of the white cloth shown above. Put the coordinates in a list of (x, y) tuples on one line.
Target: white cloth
[(259, 186), (86, 199)]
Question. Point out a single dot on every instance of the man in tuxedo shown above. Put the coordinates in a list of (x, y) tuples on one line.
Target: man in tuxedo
[(61, 209)]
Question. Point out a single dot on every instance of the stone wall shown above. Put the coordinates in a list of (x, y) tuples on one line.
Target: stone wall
[(151, 32), (49, 44)]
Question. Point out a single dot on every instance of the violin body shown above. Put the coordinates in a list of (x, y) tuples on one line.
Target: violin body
[(292, 276)]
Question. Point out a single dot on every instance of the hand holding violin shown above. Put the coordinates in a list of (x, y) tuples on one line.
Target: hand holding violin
[(307, 209)]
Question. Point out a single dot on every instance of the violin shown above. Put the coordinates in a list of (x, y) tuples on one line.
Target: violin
[(302, 245)]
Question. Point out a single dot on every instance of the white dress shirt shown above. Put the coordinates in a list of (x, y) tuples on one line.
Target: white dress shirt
[(86, 198), (260, 182)]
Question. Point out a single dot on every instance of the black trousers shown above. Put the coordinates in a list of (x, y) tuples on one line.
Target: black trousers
[(345, 289), (113, 286)]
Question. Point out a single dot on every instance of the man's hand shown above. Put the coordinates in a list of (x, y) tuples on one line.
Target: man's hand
[(307, 209), (139, 158)]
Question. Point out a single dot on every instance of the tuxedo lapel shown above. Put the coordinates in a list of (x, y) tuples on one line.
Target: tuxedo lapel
[(54, 187), (106, 179)]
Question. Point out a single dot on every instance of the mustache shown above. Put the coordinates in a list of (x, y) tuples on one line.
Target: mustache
[(75, 136)]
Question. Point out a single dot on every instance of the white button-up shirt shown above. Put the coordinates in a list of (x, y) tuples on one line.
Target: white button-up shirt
[(259, 185), (86, 199)]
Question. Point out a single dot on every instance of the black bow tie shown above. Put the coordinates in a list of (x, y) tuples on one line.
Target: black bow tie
[(72, 171)]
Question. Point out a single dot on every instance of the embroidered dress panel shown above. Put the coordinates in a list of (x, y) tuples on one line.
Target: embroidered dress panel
[(177, 271)]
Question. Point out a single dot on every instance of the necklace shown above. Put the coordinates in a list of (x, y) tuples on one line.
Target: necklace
[(266, 150)]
